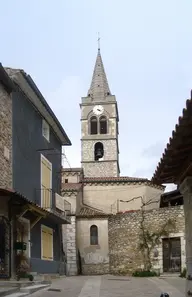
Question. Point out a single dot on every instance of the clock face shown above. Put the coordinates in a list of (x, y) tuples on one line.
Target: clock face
[(98, 109)]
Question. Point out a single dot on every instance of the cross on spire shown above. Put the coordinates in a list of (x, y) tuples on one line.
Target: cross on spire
[(98, 40)]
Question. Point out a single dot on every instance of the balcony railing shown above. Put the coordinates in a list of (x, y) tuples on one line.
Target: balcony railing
[(53, 202)]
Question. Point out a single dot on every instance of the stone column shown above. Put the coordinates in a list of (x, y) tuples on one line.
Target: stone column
[(69, 244), (186, 190)]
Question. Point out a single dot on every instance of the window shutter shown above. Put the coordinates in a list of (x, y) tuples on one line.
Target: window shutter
[(46, 173), (47, 243)]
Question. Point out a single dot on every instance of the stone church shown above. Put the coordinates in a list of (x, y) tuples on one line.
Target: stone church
[(96, 190)]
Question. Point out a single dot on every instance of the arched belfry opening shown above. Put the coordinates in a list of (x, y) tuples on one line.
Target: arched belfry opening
[(103, 125), (93, 126), (98, 151)]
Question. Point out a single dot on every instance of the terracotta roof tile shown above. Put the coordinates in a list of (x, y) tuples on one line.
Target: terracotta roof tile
[(74, 169), (87, 211), (71, 186), (115, 179), (17, 195), (171, 145)]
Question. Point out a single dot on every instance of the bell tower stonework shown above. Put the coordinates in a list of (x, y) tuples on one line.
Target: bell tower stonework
[(99, 127)]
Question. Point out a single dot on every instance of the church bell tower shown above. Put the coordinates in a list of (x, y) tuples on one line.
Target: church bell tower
[(99, 127)]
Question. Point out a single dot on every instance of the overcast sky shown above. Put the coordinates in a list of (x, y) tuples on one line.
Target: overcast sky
[(146, 48)]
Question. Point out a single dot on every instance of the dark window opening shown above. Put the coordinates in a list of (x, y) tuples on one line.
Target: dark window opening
[(103, 125), (93, 235), (66, 180), (99, 151), (93, 124)]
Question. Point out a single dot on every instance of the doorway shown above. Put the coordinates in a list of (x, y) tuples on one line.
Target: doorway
[(4, 248), (172, 255)]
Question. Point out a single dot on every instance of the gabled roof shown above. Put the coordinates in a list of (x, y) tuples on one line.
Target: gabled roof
[(29, 88), (99, 88), (178, 150)]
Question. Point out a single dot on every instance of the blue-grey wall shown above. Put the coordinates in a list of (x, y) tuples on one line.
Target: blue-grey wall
[(28, 145), (37, 264)]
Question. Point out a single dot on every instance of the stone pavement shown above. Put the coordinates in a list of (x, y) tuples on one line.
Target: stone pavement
[(111, 286)]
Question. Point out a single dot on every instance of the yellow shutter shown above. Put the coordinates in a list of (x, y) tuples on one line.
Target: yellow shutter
[(47, 243), (46, 183)]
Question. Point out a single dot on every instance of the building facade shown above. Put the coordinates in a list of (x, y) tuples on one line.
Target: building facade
[(99, 196), (175, 168), (31, 183)]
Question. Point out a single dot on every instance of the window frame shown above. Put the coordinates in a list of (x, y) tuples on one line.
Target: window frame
[(52, 250), (46, 126), (97, 237)]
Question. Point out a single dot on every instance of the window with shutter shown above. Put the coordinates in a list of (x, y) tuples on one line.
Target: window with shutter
[(46, 243), (46, 182)]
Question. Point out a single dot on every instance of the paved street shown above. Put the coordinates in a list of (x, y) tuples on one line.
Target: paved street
[(110, 286)]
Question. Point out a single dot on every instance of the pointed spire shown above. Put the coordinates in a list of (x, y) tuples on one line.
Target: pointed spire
[(99, 88)]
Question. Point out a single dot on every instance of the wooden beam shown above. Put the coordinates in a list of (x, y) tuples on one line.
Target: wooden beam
[(36, 221), (184, 171), (37, 210), (25, 209)]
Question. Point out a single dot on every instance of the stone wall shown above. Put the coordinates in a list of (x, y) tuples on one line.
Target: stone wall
[(5, 138), (94, 258), (95, 269), (124, 230), (69, 246)]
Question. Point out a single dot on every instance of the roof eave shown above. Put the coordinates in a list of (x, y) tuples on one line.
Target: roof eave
[(65, 139), (6, 81)]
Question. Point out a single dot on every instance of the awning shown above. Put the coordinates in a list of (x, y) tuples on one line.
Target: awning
[(17, 198), (176, 161)]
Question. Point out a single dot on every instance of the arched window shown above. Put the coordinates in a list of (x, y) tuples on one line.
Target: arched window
[(98, 151), (93, 235), (93, 126), (103, 125)]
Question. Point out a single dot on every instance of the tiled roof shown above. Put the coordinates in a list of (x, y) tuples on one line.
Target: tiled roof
[(115, 179), (71, 186), (20, 197), (87, 211), (78, 169), (177, 149)]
